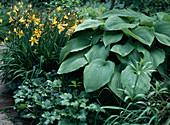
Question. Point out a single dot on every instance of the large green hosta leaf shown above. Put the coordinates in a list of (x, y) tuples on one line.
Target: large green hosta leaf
[(111, 37), (121, 13), (96, 37), (115, 84), (155, 56), (114, 23), (74, 45), (97, 74), (142, 34), (162, 33), (122, 50), (128, 79), (89, 24), (98, 51), (73, 63)]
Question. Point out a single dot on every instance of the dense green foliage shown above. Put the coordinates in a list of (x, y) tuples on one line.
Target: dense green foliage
[(56, 101), (122, 49), (111, 69), (149, 7)]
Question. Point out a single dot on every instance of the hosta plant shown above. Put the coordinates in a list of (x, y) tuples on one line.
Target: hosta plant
[(120, 49)]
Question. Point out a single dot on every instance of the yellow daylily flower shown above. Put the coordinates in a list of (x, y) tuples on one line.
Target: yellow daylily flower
[(32, 17), (10, 19), (22, 20), (9, 32), (15, 30), (37, 21), (37, 33), (60, 27), (33, 40), (74, 27), (29, 5), (0, 20), (6, 38), (59, 8), (77, 21), (2, 43), (28, 21), (9, 13), (20, 34), (82, 21), (15, 9), (65, 17)]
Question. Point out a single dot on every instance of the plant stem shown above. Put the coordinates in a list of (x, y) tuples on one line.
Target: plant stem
[(135, 85)]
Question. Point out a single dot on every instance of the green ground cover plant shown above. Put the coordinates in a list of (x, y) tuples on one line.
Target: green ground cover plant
[(56, 101)]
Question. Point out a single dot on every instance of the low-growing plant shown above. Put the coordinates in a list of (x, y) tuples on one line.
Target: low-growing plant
[(149, 109), (55, 102), (121, 49)]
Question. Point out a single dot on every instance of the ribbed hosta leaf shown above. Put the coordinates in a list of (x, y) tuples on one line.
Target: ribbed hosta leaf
[(122, 50), (73, 63), (98, 51), (121, 13), (74, 45), (89, 24), (97, 74), (128, 79), (114, 23), (111, 37), (142, 34), (162, 33)]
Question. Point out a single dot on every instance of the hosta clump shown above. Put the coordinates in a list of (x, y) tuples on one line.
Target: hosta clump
[(54, 102), (111, 48)]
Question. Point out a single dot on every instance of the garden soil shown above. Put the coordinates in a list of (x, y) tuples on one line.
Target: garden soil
[(8, 116)]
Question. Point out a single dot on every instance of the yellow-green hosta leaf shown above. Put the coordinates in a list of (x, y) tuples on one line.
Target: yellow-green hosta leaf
[(114, 23), (89, 24), (143, 34), (111, 37), (122, 50), (97, 74)]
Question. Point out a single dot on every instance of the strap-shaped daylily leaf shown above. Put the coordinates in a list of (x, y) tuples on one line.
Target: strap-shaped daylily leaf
[(97, 74), (114, 23), (73, 63), (122, 50), (143, 34), (98, 51), (89, 24), (111, 37), (162, 32), (129, 78), (74, 45), (121, 13)]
